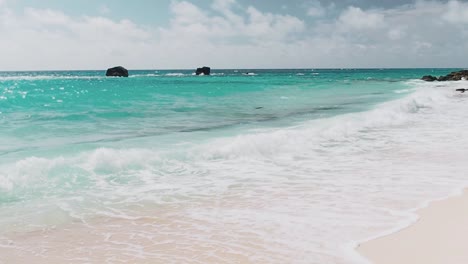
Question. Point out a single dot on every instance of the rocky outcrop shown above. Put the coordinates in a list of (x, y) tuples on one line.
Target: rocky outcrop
[(429, 78), (118, 71), (453, 76), (203, 70)]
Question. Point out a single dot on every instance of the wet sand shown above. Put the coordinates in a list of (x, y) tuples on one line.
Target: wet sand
[(440, 236)]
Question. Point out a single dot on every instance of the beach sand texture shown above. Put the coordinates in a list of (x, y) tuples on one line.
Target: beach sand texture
[(440, 236)]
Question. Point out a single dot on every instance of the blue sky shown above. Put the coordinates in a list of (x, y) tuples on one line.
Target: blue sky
[(149, 34)]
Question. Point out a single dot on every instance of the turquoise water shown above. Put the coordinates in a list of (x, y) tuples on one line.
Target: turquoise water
[(77, 146), (52, 114), (43, 110)]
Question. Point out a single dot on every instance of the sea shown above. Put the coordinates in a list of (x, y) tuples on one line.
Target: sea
[(242, 166)]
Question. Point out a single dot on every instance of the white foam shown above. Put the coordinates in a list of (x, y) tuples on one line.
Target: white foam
[(403, 91), (5, 183), (336, 128), (144, 75), (177, 74)]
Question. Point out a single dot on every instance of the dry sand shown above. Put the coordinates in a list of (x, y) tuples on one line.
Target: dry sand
[(439, 236)]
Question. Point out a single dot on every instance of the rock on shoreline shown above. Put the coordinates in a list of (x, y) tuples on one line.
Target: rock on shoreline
[(453, 76), (118, 71)]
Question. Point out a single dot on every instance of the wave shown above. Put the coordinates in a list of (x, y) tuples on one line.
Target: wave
[(177, 74), (343, 127), (268, 143), (144, 75)]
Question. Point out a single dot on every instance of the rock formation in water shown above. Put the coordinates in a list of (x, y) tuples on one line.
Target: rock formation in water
[(203, 70), (429, 78), (118, 71)]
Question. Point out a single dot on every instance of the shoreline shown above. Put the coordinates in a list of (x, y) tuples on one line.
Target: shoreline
[(437, 235)]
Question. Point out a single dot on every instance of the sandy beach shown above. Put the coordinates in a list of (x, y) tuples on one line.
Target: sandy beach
[(439, 236)]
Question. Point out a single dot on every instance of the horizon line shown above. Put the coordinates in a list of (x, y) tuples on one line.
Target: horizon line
[(225, 69)]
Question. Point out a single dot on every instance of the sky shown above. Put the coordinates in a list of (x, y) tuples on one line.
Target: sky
[(185, 34)]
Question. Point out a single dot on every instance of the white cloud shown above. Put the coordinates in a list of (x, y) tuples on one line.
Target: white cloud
[(315, 8), (49, 39), (189, 21), (224, 6), (457, 12), (270, 26), (45, 17), (355, 17), (230, 35), (316, 11), (396, 34), (186, 13)]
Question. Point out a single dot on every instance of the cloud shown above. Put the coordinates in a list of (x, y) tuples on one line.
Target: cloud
[(50, 39), (224, 6), (315, 9), (251, 25), (228, 34), (45, 17), (355, 17), (233, 35), (457, 12), (267, 25), (396, 34), (104, 9)]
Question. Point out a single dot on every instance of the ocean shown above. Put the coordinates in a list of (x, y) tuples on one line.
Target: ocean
[(243, 166)]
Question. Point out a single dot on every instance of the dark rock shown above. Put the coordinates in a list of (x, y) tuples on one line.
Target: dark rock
[(461, 90), (203, 70), (455, 76), (443, 78), (118, 71), (429, 78)]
